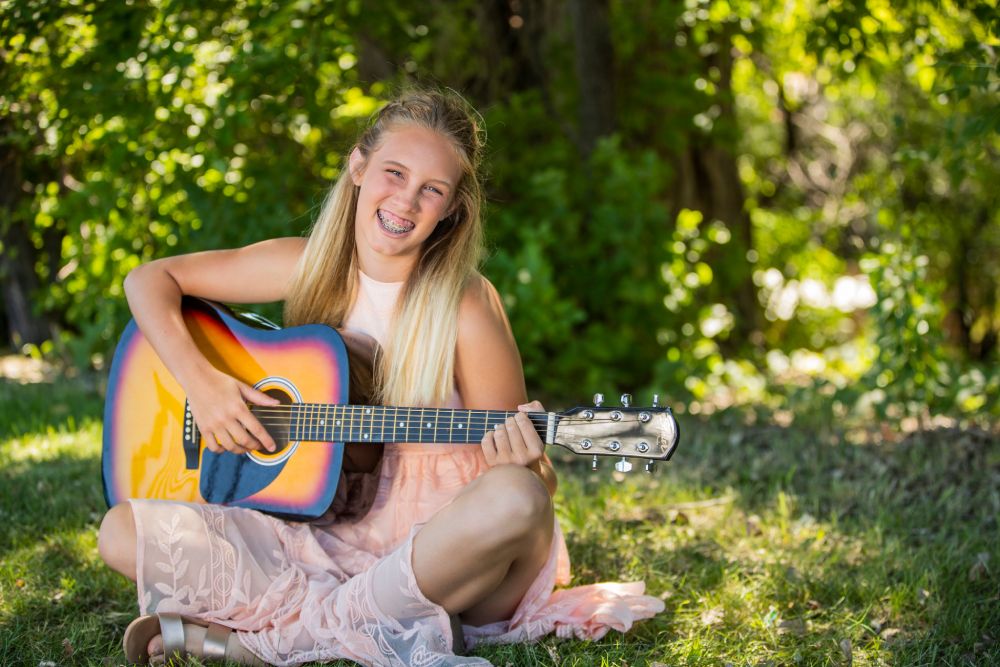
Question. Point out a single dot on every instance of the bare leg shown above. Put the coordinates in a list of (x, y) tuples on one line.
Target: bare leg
[(479, 555), (116, 541)]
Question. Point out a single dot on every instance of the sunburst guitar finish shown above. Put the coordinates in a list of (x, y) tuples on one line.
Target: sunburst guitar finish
[(151, 445)]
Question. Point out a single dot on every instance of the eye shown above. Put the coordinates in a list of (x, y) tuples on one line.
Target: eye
[(395, 172), (434, 190)]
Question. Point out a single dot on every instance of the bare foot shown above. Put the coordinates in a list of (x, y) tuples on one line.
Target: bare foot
[(194, 639)]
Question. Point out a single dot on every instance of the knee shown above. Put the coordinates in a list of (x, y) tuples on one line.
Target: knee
[(516, 501), (116, 539)]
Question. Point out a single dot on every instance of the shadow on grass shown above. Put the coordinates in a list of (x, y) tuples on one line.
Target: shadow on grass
[(884, 540), (50, 496), (41, 407)]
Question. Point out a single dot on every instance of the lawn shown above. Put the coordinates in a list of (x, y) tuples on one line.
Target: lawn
[(811, 544)]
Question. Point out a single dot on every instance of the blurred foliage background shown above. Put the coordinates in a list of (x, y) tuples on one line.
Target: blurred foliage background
[(785, 204)]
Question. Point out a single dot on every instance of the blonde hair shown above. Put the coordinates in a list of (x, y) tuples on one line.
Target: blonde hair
[(417, 365)]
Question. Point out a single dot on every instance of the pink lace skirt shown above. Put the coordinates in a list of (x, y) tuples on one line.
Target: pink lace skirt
[(298, 592)]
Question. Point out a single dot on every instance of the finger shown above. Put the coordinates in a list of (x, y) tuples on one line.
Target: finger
[(256, 396), (259, 433), (502, 441), (211, 442), (531, 406), (532, 442), (247, 440), (236, 439), (489, 448), (518, 448)]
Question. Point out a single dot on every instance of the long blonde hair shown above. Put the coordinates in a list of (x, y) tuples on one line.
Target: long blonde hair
[(417, 366)]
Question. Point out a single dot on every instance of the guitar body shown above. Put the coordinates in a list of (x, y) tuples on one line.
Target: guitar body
[(151, 445)]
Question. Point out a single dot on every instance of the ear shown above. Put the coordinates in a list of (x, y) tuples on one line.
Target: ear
[(356, 165)]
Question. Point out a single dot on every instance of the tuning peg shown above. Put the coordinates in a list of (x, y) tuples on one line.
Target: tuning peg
[(623, 466), (593, 463), (656, 400), (626, 400), (650, 467), (598, 400)]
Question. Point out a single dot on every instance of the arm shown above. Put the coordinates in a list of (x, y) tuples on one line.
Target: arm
[(256, 273), (490, 377)]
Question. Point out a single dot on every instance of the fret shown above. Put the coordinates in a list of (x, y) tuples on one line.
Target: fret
[(366, 433), (307, 431), (477, 425), (437, 415), (451, 427)]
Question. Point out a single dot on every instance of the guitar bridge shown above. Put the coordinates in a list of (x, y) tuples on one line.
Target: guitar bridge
[(191, 440)]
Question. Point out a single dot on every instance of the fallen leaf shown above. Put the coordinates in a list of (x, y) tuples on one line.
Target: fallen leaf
[(922, 595), (979, 570), (68, 649), (753, 525), (792, 626), (19, 583), (845, 648), (889, 634), (813, 604), (553, 653), (666, 594), (713, 616), (680, 519)]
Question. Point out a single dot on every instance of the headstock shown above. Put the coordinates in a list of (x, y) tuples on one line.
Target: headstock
[(649, 433)]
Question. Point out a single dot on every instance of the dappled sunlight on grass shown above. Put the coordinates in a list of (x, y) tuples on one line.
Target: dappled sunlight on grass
[(768, 545)]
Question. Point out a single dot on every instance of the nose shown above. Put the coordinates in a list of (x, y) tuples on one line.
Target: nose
[(409, 198)]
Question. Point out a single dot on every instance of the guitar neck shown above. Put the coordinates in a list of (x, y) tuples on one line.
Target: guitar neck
[(319, 422)]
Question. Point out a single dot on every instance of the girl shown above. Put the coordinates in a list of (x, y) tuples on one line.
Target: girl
[(454, 531)]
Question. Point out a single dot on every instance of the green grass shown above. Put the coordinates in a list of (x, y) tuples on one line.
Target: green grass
[(770, 546)]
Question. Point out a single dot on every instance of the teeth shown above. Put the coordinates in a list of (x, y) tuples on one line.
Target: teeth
[(391, 225)]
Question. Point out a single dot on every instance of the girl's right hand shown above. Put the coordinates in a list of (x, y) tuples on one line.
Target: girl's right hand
[(219, 406)]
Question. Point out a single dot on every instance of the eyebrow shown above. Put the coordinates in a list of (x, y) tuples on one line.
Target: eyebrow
[(430, 180)]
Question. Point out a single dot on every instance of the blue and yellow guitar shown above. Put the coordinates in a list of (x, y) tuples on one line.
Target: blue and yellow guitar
[(323, 378)]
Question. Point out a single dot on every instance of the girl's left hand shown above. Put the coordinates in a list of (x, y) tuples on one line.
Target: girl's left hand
[(515, 441)]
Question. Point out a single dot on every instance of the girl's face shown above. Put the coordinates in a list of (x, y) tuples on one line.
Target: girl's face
[(406, 186)]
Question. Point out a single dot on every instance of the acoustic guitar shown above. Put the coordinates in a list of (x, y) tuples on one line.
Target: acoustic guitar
[(323, 377)]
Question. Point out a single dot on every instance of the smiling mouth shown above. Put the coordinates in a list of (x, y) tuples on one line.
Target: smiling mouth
[(393, 223)]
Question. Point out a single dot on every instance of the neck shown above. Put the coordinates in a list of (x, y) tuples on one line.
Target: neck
[(386, 269), (314, 422)]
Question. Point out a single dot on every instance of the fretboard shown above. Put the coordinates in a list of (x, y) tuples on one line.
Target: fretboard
[(318, 422)]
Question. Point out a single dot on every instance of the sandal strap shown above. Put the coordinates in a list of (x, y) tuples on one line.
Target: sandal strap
[(172, 632), (216, 638)]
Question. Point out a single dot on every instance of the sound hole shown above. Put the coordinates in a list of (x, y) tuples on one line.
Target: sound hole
[(276, 420)]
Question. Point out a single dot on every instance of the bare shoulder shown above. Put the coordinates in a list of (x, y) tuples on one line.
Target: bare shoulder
[(481, 310), (488, 366)]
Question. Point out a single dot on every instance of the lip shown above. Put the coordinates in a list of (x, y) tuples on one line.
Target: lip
[(393, 219)]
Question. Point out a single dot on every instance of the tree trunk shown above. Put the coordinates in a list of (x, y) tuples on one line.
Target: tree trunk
[(708, 181), (18, 282), (594, 71)]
